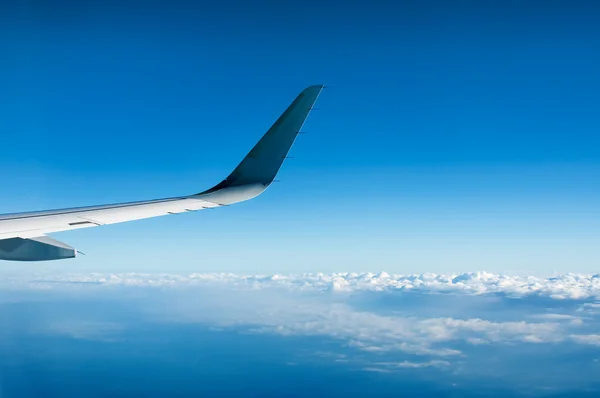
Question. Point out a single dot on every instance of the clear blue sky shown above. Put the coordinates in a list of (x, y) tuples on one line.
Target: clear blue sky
[(456, 136)]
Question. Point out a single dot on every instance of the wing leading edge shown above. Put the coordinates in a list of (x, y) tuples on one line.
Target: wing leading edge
[(22, 234)]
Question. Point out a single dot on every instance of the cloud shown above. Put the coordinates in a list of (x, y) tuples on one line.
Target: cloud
[(429, 325), (590, 308), (376, 370), (376, 314), (567, 286), (592, 339), (442, 325), (557, 317), (415, 365)]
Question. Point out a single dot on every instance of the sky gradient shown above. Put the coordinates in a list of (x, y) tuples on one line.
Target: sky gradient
[(454, 137)]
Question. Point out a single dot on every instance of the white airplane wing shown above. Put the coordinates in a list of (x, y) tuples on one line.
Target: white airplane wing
[(23, 235)]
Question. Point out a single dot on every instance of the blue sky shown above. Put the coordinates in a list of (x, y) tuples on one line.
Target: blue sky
[(454, 137)]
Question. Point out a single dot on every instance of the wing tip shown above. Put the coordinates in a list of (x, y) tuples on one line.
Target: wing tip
[(256, 172), (315, 87)]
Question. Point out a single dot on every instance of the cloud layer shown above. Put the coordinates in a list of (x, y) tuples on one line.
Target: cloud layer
[(567, 286), (388, 324), (335, 305)]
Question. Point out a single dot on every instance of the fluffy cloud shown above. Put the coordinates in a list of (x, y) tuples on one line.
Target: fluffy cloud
[(368, 312), (568, 286), (441, 325)]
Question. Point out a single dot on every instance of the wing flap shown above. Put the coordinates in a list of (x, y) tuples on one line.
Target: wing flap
[(122, 214), (69, 219)]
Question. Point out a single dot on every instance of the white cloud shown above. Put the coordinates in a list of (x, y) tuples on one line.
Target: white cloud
[(477, 341), (322, 305), (370, 331), (557, 317), (590, 308), (592, 339), (415, 365), (567, 286), (376, 370), (420, 325)]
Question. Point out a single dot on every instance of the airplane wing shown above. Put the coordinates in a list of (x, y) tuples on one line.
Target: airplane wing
[(23, 235)]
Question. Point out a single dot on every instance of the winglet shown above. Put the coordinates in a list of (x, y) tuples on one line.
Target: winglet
[(259, 168)]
